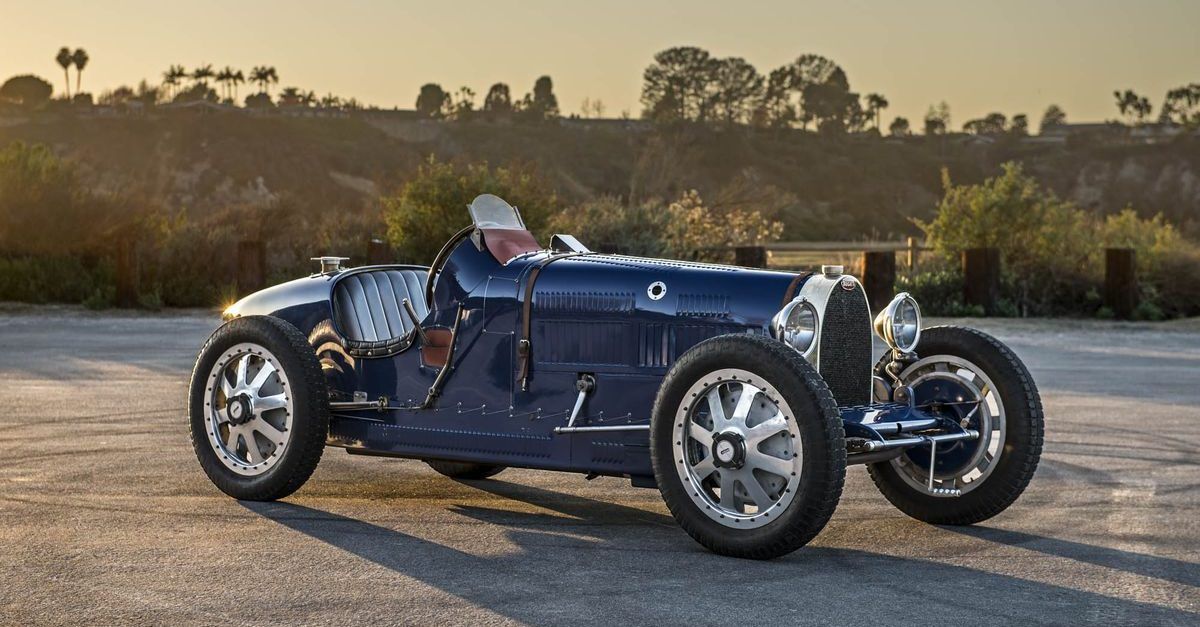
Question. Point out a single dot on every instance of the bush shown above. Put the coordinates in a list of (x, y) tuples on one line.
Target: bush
[(433, 206), (685, 229)]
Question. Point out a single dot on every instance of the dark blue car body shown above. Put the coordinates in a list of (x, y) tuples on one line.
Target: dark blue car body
[(590, 314)]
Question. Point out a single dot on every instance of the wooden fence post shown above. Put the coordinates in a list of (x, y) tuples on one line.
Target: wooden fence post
[(251, 266), (879, 277), (127, 273), (913, 251), (378, 252), (750, 256), (981, 278), (1120, 281)]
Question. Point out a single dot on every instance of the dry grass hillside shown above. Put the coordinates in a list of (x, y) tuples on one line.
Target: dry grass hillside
[(821, 187)]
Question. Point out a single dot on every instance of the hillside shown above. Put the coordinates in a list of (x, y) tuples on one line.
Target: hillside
[(822, 188)]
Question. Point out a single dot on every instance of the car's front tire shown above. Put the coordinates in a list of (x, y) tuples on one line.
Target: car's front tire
[(747, 447), (259, 408), (1008, 416)]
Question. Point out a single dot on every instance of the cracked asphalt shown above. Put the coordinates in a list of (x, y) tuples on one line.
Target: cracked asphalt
[(106, 518)]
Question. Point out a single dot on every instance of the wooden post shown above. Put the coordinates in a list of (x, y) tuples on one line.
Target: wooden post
[(127, 273), (879, 277), (378, 252), (913, 251), (750, 256), (981, 278), (1120, 281), (251, 266)]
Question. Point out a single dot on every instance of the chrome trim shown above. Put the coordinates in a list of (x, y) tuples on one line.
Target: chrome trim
[(816, 291), (602, 428), (781, 318), (875, 445), (887, 331)]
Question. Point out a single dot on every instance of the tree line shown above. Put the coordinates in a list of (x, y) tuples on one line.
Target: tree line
[(682, 84)]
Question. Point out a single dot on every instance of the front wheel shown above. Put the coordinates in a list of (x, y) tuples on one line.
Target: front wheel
[(975, 375), (747, 447), (259, 408)]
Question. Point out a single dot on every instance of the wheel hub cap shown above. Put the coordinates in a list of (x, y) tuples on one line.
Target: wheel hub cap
[(240, 410), (729, 451)]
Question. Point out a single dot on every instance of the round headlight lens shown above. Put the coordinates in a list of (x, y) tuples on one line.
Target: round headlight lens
[(899, 324), (906, 324), (797, 326)]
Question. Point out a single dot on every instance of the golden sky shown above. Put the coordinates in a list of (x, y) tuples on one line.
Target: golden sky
[(1014, 56)]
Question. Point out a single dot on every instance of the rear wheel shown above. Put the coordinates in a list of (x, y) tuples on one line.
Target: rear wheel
[(464, 470), (747, 447), (258, 406), (974, 374)]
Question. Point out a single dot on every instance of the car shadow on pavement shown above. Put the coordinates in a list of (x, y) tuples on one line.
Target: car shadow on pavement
[(606, 563), (1165, 568)]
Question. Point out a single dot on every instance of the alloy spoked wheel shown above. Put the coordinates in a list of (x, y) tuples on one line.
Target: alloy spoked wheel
[(248, 409), (965, 388), (737, 448), (974, 379)]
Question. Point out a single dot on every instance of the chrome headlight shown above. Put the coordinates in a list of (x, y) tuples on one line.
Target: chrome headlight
[(899, 324), (796, 326)]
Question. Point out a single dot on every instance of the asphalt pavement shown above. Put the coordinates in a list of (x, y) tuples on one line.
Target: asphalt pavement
[(106, 518)]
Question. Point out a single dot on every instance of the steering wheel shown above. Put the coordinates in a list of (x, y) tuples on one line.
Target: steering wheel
[(435, 268)]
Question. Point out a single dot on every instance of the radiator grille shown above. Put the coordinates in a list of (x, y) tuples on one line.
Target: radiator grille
[(846, 347)]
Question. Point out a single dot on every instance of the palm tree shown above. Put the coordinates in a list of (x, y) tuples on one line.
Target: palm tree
[(236, 80), (876, 103), (202, 73), (80, 57), (65, 59), (224, 78), (272, 76), (259, 76), (172, 77), (330, 101)]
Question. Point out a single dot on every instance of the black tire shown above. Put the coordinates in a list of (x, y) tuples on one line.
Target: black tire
[(464, 470), (1024, 427), (310, 419), (823, 466)]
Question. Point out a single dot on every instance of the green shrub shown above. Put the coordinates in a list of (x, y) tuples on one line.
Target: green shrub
[(432, 207)]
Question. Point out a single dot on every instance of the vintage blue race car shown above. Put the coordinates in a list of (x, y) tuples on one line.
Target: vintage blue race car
[(741, 394)]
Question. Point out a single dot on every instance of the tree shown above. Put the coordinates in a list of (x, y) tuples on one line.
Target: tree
[(937, 119), (260, 100), (498, 99), (736, 86), (899, 127), (876, 103), (291, 97), (431, 207), (172, 78), (202, 73), (27, 91), (776, 108), (463, 103), (264, 76), (433, 101), (676, 86), (992, 124), (1133, 107), (1054, 116), (80, 59), (237, 79), (1019, 125), (1182, 105), (542, 104), (65, 59)]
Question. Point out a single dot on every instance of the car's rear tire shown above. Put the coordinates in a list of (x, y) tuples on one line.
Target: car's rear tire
[(257, 383), (464, 470), (747, 447), (976, 357)]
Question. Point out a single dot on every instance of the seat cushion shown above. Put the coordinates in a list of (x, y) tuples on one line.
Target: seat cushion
[(367, 305)]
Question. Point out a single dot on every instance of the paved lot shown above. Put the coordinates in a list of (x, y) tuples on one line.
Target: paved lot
[(105, 517)]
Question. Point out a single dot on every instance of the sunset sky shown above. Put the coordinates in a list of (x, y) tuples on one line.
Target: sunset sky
[(1016, 56)]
